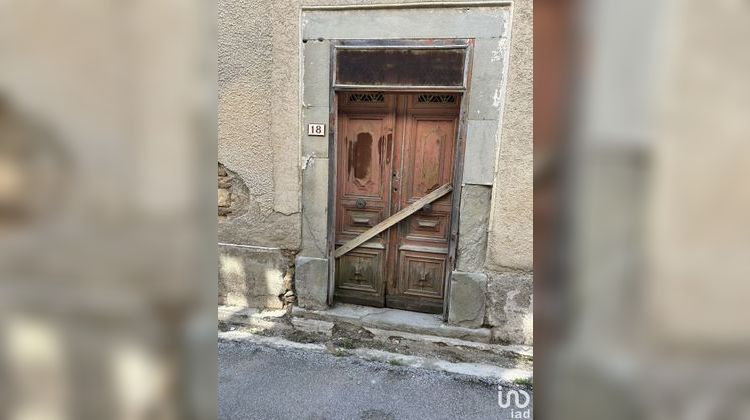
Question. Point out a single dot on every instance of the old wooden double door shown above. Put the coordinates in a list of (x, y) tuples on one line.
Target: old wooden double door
[(393, 149)]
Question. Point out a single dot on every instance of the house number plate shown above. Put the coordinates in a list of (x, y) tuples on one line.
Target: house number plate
[(316, 129)]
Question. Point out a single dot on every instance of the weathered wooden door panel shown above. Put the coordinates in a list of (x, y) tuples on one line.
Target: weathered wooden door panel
[(392, 150), (421, 242), (359, 277), (365, 140), (420, 282)]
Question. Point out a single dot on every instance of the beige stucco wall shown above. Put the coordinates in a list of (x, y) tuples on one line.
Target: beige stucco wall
[(260, 134), (259, 130), (258, 113), (510, 237)]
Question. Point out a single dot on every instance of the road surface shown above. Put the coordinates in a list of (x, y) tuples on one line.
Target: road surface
[(259, 382)]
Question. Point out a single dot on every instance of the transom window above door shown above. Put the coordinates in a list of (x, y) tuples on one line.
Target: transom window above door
[(401, 65)]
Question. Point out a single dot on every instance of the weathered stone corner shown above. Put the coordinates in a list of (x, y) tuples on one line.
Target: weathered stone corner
[(311, 282), (467, 299), (510, 306), (251, 277)]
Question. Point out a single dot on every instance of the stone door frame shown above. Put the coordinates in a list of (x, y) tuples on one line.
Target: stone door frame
[(485, 24), (458, 159)]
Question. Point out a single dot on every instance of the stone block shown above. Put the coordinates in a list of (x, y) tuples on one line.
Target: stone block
[(510, 307), (313, 326), (315, 145), (251, 277), (489, 73), (316, 78), (393, 321), (311, 282), (467, 299), (224, 197), (474, 217), (481, 152), (314, 207), (465, 22)]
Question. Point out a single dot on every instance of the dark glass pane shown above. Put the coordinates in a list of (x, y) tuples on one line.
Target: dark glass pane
[(400, 67)]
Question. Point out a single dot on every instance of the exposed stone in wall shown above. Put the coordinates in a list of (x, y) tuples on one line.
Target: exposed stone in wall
[(510, 307), (233, 194), (225, 195), (289, 297), (246, 218)]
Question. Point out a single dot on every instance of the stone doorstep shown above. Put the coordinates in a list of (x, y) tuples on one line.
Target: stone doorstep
[(428, 328), (326, 328), (456, 342), (313, 326), (394, 321)]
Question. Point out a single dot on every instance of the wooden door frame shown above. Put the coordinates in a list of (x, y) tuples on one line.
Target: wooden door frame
[(458, 162)]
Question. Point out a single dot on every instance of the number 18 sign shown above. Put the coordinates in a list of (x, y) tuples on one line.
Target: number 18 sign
[(316, 129)]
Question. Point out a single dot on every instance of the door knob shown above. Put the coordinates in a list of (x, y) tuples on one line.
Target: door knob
[(361, 203)]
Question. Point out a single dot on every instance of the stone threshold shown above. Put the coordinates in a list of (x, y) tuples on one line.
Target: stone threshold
[(382, 323), (395, 320)]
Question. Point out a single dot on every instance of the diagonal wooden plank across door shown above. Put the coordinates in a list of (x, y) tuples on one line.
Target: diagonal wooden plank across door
[(387, 223)]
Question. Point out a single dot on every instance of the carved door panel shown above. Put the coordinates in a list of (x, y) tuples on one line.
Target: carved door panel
[(392, 150), (419, 244), (365, 142)]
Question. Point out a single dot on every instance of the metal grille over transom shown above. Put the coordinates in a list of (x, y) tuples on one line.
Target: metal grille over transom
[(366, 97), (437, 99)]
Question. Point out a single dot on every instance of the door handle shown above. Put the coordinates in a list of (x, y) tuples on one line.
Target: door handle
[(361, 203)]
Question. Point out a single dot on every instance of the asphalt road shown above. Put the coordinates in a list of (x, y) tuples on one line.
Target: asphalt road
[(258, 382)]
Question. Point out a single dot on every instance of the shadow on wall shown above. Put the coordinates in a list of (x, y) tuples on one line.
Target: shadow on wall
[(249, 276), (255, 277)]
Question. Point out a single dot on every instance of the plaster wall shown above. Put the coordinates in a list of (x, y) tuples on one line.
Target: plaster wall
[(267, 94), (509, 258), (510, 241), (258, 118)]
